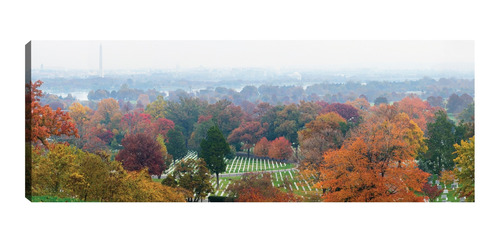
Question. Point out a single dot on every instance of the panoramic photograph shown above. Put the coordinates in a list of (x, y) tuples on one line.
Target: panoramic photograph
[(250, 121)]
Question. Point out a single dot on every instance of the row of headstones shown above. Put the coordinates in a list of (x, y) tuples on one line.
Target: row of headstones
[(295, 183), (189, 155), (224, 188), (241, 164)]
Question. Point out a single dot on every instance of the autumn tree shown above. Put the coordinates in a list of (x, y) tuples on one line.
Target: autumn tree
[(43, 122), (158, 108), (213, 150), (377, 163), (464, 169), (360, 103), (308, 112), (79, 114), (96, 138), (161, 127), (320, 135), (193, 176), (280, 149), (108, 113), (262, 147), (262, 109), (175, 144), (255, 187), (248, 133), (287, 123), (167, 158), (421, 112), (140, 151), (348, 112), (225, 115), (431, 191), (52, 170), (65, 171), (139, 187), (135, 122)]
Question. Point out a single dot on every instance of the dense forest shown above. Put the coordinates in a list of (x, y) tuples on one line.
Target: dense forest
[(376, 141)]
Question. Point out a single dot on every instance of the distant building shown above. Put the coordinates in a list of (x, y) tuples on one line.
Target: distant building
[(415, 93)]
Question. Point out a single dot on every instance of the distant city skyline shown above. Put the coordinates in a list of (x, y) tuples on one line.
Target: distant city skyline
[(133, 55)]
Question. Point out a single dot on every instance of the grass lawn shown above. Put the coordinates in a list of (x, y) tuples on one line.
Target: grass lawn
[(53, 199)]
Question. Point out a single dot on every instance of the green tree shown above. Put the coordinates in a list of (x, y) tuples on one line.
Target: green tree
[(467, 114), (175, 144), (213, 150), (199, 132), (441, 137), (381, 100), (185, 114)]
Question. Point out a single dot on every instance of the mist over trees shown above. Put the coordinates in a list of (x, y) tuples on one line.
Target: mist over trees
[(381, 140)]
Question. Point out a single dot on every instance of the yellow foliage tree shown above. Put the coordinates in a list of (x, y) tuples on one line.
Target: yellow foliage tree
[(464, 169)]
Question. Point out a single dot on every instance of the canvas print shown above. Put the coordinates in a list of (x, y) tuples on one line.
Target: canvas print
[(250, 121)]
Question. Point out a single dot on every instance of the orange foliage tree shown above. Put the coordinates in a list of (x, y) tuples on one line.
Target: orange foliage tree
[(262, 147), (378, 163), (421, 112), (360, 103), (108, 113), (43, 121), (319, 136), (280, 148)]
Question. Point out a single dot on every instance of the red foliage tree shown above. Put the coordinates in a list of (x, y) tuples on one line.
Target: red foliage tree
[(92, 143), (162, 126), (44, 122), (135, 122), (254, 187), (203, 118), (139, 151), (348, 112), (247, 133), (431, 191), (280, 148), (262, 147), (225, 115)]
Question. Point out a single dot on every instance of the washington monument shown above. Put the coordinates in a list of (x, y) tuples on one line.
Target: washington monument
[(101, 74)]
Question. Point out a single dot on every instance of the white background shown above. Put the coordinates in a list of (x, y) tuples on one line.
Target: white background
[(280, 222)]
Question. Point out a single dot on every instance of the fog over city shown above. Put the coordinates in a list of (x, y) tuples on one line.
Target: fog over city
[(132, 55)]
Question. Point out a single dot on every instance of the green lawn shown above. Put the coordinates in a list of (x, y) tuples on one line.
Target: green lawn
[(53, 199)]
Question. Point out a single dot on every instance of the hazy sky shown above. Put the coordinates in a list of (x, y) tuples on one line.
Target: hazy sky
[(309, 54)]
